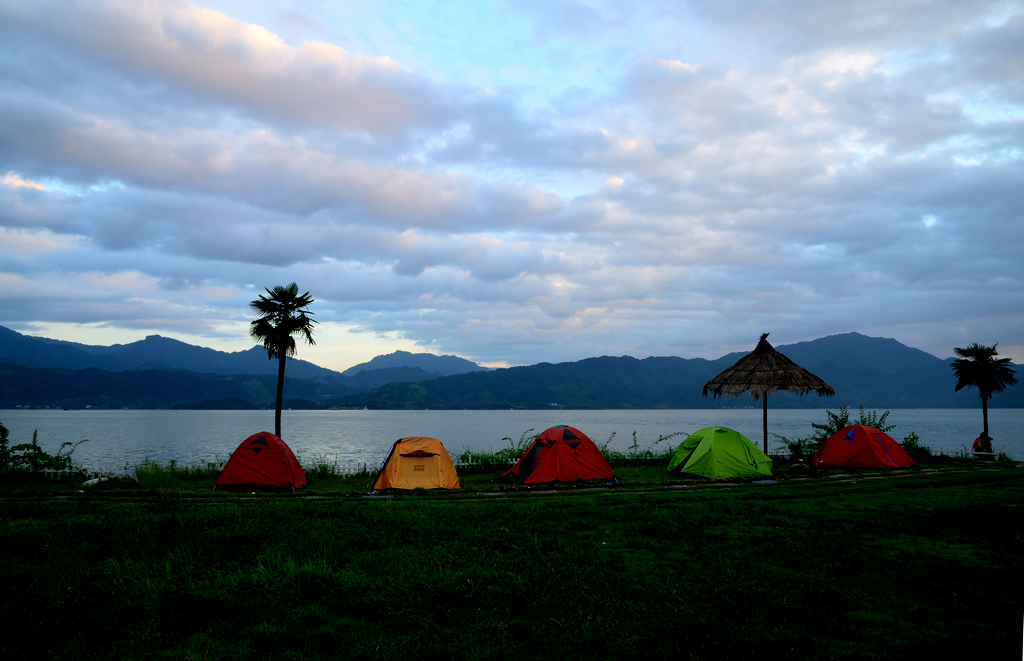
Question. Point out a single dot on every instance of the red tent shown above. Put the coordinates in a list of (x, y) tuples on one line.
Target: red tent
[(561, 454), (262, 461), (860, 446)]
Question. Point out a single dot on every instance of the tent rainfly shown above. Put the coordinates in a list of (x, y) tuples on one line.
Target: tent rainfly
[(262, 461), (417, 462), (861, 446), (762, 371), (720, 452), (560, 454)]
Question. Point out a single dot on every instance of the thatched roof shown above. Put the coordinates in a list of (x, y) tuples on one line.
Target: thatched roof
[(765, 370)]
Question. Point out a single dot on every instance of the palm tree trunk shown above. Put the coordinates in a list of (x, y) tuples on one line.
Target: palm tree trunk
[(280, 393), (984, 412)]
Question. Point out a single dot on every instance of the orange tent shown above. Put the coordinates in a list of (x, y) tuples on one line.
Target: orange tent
[(561, 454), (860, 446), (262, 461), (418, 462)]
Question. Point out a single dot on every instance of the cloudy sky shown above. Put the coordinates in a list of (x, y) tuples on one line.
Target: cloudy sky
[(515, 181)]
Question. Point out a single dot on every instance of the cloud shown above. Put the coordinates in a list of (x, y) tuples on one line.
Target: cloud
[(801, 168), (806, 25), (217, 59), (14, 180)]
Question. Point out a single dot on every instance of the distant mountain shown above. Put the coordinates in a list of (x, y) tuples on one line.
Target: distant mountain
[(867, 370), (874, 372), (162, 389), (378, 377), (38, 352), (40, 370), (593, 383), (150, 389), (428, 362), (154, 352)]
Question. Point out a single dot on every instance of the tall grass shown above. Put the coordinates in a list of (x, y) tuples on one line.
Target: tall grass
[(152, 475), (635, 455)]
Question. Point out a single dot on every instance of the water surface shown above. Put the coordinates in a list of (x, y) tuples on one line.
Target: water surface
[(118, 437)]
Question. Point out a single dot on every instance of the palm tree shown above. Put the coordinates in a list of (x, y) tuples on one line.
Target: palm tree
[(978, 366), (282, 315)]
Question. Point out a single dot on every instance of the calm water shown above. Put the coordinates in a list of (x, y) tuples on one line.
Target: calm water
[(354, 437)]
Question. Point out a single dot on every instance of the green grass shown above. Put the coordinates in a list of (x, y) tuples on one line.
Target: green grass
[(917, 567)]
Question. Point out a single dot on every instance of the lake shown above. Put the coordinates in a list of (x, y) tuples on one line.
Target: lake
[(117, 437)]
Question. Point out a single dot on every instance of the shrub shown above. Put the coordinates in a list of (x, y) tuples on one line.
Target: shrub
[(5, 453), (31, 457), (912, 444), (802, 448)]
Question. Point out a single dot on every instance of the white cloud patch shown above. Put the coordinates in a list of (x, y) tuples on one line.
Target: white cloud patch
[(15, 180), (215, 58)]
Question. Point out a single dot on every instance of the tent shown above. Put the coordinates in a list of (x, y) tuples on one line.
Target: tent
[(262, 461), (560, 454), (417, 462), (720, 452), (860, 446)]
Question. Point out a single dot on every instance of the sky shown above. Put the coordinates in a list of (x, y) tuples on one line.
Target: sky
[(515, 181)]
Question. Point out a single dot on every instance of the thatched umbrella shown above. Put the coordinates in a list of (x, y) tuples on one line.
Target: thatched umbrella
[(764, 370)]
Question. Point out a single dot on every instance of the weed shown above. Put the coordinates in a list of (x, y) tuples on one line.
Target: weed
[(516, 449), (635, 455)]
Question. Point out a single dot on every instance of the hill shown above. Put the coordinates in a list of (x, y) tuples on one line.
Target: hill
[(173, 362), (874, 372), (154, 352), (428, 362), (96, 388), (157, 352)]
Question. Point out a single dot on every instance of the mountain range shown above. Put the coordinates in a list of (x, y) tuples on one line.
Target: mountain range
[(159, 372), (869, 371), (156, 352)]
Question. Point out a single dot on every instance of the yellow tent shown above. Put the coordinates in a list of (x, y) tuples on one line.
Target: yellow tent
[(418, 462)]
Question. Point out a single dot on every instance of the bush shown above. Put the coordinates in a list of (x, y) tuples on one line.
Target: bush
[(31, 457), (802, 448), (5, 454), (912, 444)]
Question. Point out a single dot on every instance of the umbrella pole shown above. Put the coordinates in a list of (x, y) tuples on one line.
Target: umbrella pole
[(764, 418)]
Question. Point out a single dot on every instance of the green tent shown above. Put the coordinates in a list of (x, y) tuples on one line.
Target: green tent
[(719, 452)]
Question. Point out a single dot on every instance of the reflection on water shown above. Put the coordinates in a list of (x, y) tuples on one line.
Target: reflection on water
[(355, 437)]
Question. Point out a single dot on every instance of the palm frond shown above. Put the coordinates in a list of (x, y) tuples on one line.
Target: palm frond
[(283, 315), (978, 366)]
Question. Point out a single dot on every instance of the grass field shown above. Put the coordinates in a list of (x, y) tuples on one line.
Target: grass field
[(916, 566)]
